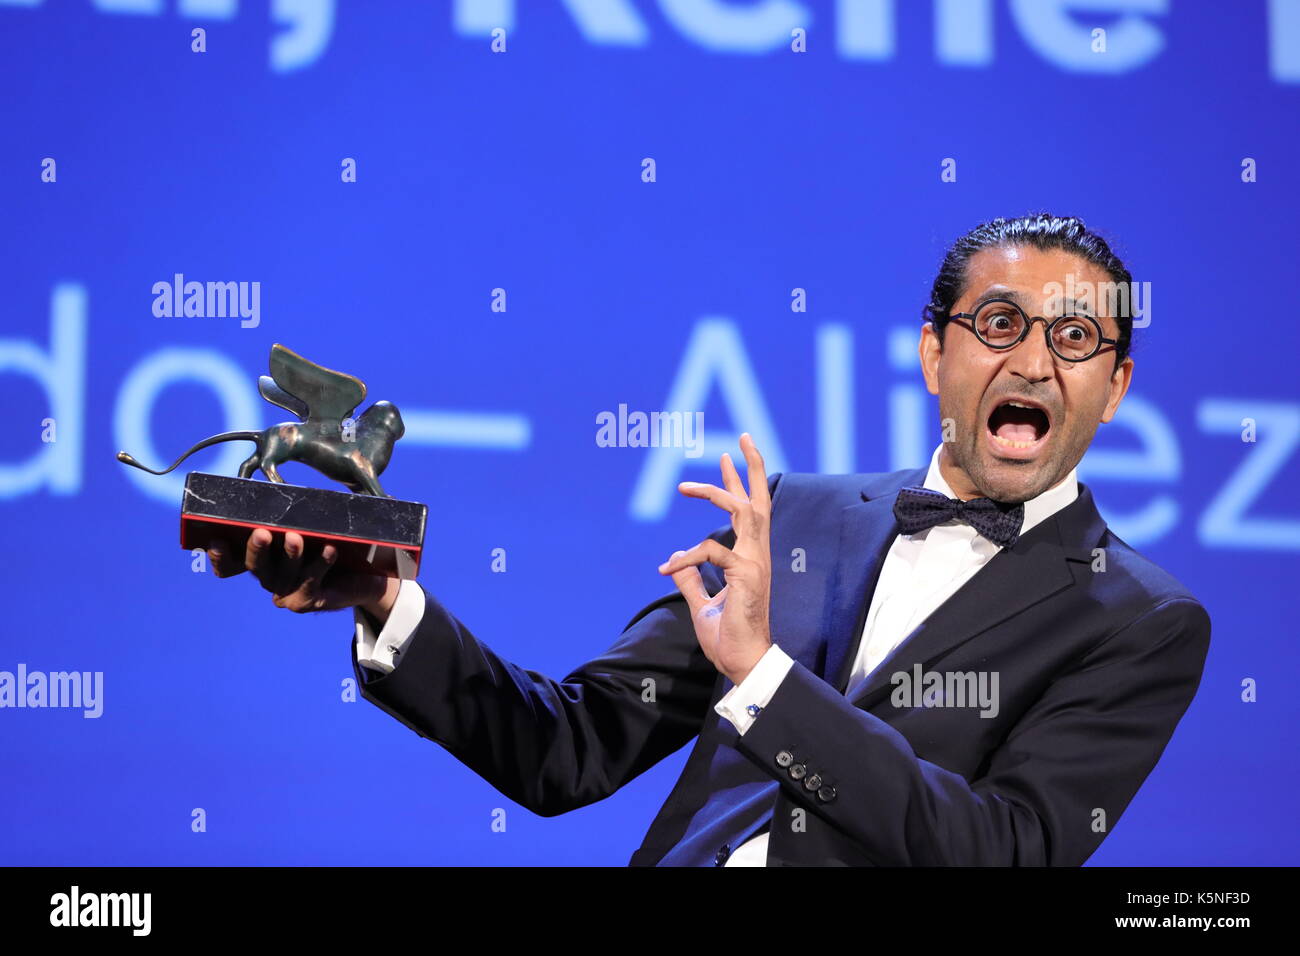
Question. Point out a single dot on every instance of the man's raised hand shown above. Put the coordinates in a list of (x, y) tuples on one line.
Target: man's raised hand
[(732, 626)]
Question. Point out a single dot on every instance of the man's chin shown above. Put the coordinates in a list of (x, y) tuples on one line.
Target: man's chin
[(1013, 482), (1014, 473)]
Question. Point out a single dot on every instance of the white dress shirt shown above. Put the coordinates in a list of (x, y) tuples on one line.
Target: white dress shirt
[(382, 652), (920, 572)]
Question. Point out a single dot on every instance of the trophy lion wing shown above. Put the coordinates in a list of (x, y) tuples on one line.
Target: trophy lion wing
[(277, 396), (313, 391)]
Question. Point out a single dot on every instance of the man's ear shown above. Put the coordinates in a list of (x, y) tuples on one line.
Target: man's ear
[(1119, 383), (931, 350)]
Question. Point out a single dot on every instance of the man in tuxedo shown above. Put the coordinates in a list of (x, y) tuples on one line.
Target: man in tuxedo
[(954, 665)]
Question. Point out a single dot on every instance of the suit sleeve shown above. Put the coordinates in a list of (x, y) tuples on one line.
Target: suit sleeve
[(556, 745), (1050, 791)]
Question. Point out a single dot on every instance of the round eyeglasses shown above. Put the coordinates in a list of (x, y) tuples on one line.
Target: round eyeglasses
[(1001, 324)]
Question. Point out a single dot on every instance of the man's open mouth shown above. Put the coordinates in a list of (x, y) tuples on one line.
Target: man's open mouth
[(1017, 423)]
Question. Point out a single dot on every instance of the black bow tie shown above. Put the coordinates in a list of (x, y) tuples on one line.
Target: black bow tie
[(919, 508)]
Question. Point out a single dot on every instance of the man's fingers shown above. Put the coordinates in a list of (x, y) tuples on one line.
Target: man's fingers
[(691, 585), (731, 478), (292, 561), (257, 556), (723, 499), (295, 576), (734, 499), (707, 550), (756, 472), (308, 595), (223, 563), (318, 568)]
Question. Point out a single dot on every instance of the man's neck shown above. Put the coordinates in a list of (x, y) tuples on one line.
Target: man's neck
[(956, 478)]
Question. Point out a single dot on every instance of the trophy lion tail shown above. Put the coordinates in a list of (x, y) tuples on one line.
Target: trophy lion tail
[(214, 440)]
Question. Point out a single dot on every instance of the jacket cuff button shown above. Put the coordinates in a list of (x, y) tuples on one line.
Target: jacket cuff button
[(784, 758), (826, 794)]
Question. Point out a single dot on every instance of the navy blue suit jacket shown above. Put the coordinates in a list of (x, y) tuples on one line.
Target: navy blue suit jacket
[(1096, 665)]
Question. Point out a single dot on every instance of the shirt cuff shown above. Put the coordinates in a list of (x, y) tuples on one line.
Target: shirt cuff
[(756, 689), (382, 652)]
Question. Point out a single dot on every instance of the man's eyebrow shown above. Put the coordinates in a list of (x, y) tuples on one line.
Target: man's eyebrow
[(1068, 306), (1072, 307), (999, 292)]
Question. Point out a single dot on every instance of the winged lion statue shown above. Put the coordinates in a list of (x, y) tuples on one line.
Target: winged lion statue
[(323, 400)]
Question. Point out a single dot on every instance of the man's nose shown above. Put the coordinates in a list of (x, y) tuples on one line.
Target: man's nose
[(1032, 359)]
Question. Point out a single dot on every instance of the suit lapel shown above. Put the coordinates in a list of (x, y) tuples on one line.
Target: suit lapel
[(866, 533), (1014, 579)]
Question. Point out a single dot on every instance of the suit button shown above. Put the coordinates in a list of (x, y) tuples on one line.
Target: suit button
[(812, 781), (826, 794), (797, 771), (720, 857), (784, 758)]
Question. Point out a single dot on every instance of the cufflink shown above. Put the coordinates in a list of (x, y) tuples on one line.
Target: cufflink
[(753, 710)]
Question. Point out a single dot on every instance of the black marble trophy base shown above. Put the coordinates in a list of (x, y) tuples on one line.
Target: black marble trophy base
[(374, 535)]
